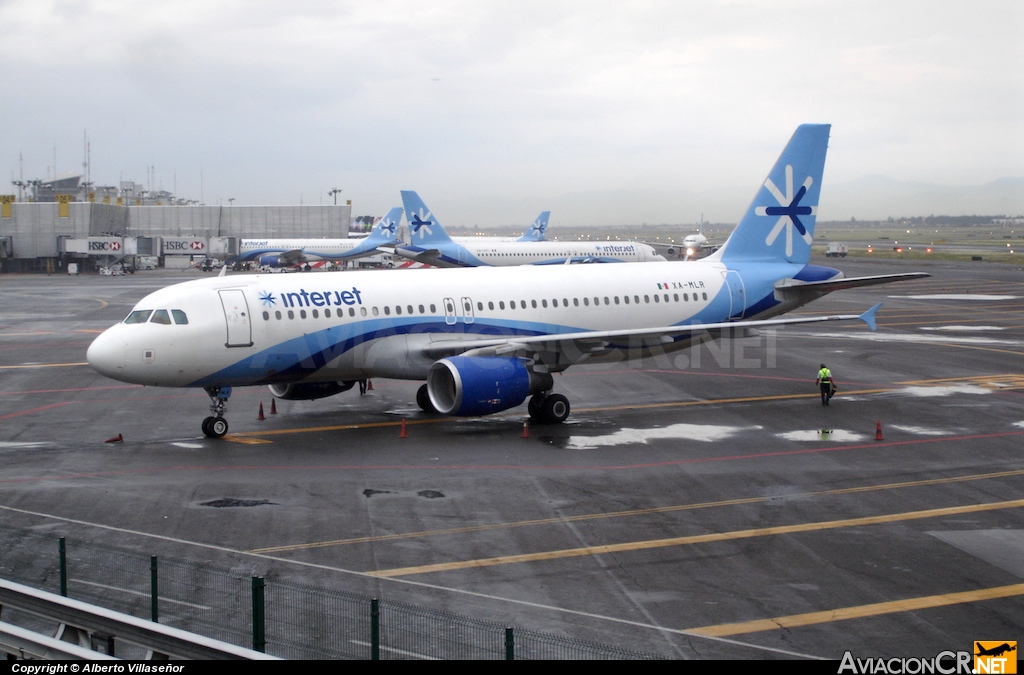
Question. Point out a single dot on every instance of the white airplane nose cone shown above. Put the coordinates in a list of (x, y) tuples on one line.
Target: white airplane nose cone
[(106, 354)]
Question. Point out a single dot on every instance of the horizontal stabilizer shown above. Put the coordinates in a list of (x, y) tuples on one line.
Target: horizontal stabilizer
[(827, 286)]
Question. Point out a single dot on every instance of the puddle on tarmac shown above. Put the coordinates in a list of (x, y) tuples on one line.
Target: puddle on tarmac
[(690, 432), (26, 444), (927, 392), (920, 431), (194, 446), (837, 435), (963, 328)]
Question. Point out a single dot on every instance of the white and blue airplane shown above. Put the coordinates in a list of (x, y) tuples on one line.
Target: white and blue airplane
[(536, 232), (431, 245), (287, 252), (483, 339)]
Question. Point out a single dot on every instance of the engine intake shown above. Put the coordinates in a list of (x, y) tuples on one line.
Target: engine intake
[(309, 391), (481, 385)]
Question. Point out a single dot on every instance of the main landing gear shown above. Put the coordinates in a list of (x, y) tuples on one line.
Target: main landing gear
[(548, 408), (216, 426), (423, 400)]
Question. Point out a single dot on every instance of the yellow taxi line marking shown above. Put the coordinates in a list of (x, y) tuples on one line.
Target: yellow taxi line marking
[(43, 332), (43, 365), (696, 539), (631, 512), (859, 611), (246, 441)]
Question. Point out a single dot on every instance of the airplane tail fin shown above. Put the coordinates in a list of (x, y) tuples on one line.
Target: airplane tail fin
[(537, 229), (424, 230), (386, 229), (779, 224)]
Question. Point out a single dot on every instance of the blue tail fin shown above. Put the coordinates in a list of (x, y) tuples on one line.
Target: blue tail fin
[(779, 225), (424, 230), (386, 229), (537, 229)]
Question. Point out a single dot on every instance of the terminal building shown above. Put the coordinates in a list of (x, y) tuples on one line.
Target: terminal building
[(66, 220)]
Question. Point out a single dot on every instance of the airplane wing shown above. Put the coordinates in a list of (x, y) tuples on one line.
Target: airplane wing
[(296, 256), (573, 348), (430, 256)]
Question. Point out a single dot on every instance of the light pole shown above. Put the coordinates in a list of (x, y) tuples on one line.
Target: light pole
[(334, 192)]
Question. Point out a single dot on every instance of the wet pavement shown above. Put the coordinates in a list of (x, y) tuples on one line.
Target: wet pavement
[(700, 504)]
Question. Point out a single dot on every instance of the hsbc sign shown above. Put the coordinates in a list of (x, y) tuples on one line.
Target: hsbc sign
[(105, 246), (184, 245)]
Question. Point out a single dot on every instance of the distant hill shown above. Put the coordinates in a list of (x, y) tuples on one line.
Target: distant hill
[(878, 197)]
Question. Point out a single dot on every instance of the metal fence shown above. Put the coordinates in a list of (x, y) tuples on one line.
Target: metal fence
[(283, 618)]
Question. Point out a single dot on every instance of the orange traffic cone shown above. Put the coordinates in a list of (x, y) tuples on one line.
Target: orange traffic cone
[(116, 439), (369, 385), (402, 432), (273, 406), (526, 429), (260, 417), (878, 431)]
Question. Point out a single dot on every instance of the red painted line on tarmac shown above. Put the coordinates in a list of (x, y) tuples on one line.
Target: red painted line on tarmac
[(59, 391), (33, 410), (516, 467)]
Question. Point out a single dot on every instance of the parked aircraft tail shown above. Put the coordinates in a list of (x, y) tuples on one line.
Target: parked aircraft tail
[(424, 230), (779, 224), (537, 229)]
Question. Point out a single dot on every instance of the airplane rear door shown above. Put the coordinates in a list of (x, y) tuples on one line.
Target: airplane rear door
[(737, 294), (236, 314)]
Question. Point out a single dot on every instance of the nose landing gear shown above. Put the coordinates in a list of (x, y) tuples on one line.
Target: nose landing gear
[(216, 426)]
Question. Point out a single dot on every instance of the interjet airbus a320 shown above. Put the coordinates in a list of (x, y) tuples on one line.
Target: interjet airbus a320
[(286, 252), (485, 338)]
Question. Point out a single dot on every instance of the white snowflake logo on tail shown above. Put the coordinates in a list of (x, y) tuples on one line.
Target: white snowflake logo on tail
[(789, 210)]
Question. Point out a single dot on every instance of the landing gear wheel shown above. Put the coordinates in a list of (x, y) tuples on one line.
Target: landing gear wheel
[(423, 400), (534, 408), (555, 408), (215, 427)]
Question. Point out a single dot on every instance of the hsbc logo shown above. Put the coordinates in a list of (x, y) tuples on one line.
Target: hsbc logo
[(104, 246), (183, 245)]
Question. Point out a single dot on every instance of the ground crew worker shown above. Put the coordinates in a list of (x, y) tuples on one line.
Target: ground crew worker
[(826, 383)]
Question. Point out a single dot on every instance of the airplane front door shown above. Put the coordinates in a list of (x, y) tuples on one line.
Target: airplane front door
[(236, 314)]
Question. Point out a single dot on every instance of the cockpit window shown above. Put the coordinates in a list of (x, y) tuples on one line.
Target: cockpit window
[(161, 316), (139, 316), (179, 316)]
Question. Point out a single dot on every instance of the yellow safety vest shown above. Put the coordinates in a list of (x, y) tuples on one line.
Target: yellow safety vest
[(825, 375)]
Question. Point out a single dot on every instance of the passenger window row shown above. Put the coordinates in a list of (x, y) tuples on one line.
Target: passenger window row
[(410, 310)]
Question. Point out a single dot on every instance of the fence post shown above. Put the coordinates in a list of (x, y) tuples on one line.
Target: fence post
[(62, 548), (374, 629), (154, 610), (259, 639), (510, 645)]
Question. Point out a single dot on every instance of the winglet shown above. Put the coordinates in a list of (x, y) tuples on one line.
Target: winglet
[(868, 317)]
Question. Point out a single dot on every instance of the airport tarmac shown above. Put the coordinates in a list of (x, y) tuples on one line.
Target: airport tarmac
[(702, 504)]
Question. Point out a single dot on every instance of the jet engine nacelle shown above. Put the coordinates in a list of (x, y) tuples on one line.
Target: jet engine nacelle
[(270, 260), (481, 385), (309, 391)]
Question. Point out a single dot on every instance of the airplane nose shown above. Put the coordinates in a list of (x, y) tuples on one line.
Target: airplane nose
[(106, 354)]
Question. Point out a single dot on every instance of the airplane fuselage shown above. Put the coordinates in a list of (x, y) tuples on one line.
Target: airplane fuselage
[(261, 329)]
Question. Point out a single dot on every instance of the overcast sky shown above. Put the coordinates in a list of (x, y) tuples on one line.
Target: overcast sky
[(494, 110)]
